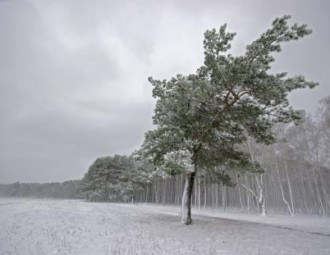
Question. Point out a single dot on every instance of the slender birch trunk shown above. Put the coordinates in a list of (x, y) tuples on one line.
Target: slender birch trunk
[(318, 192), (164, 192), (261, 198), (205, 193), (247, 194), (223, 198), (156, 190), (290, 188), (239, 192), (199, 191), (281, 188)]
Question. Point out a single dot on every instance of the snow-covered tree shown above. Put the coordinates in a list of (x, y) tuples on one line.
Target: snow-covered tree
[(201, 118), (113, 178)]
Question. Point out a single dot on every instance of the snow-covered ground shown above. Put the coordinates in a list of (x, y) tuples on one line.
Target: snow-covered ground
[(77, 227)]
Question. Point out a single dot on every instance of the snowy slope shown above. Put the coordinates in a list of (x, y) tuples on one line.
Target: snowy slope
[(77, 227)]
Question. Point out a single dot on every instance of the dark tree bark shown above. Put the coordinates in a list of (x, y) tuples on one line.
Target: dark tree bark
[(186, 198)]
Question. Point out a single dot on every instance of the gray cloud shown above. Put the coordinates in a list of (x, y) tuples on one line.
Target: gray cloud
[(73, 74)]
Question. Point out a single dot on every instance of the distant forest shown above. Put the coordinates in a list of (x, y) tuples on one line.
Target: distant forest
[(65, 190)]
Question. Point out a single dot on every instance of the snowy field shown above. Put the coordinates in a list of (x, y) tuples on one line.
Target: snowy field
[(77, 227)]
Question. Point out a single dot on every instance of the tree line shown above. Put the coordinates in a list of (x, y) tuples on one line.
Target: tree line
[(296, 177), (64, 190)]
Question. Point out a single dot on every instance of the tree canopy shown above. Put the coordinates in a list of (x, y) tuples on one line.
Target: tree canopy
[(203, 116)]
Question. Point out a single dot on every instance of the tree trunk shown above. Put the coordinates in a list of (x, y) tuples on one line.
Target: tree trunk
[(223, 197), (326, 197), (186, 198), (289, 187), (281, 188), (238, 180), (216, 195), (318, 191), (199, 192), (205, 192), (164, 192), (303, 191), (195, 193), (261, 197), (247, 194), (146, 194), (156, 191)]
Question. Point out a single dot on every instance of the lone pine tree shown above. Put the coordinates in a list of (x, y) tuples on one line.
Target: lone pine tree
[(202, 118)]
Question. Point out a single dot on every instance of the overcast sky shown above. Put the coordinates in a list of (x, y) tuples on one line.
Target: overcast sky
[(73, 73)]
